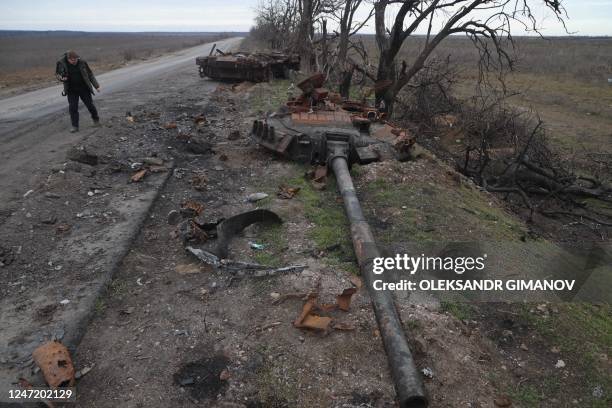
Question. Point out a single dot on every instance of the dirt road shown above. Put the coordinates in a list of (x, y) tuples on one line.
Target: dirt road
[(32, 129), (33, 105), (65, 225)]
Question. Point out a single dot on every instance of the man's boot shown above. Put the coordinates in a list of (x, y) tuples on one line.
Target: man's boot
[(74, 129), (96, 123)]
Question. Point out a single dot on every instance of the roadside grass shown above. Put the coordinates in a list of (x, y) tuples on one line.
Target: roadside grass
[(583, 332), (268, 96), (331, 229), (526, 396), (274, 391), (273, 237), (428, 212), (100, 306), (117, 288), (461, 311)]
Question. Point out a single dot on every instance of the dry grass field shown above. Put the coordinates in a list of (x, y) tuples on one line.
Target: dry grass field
[(563, 79), (28, 58)]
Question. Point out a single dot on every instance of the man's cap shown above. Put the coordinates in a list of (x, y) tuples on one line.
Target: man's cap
[(72, 54)]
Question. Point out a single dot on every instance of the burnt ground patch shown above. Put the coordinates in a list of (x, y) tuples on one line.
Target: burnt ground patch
[(203, 377)]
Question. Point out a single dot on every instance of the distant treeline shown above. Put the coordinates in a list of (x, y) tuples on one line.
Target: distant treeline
[(67, 33)]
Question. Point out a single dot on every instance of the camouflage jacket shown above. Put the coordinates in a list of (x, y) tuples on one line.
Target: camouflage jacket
[(61, 70)]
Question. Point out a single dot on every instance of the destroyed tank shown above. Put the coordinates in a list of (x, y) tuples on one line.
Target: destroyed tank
[(306, 126), (321, 128), (242, 66)]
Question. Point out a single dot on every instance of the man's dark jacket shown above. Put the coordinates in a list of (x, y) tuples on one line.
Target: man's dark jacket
[(61, 70)]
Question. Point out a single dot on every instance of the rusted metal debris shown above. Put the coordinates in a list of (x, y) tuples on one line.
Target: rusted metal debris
[(55, 364), (310, 317), (242, 66)]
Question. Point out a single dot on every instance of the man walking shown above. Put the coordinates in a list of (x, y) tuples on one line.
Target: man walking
[(79, 82)]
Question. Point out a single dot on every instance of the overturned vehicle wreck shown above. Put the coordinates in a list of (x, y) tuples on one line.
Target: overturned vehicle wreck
[(320, 128), (242, 66)]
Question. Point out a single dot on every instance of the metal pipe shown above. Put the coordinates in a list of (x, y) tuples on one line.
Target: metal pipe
[(406, 377)]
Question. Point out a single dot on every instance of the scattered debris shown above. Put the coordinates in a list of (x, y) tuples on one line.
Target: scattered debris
[(356, 280), (81, 155), (224, 375), (255, 245), (256, 197), (187, 269), (560, 364), (138, 176), (170, 125), (299, 295), (309, 320), (83, 371), (286, 192), (191, 208), (344, 299), (199, 119), (189, 231), (227, 229), (199, 181), (64, 302), (342, 326), (28, 193), (242, 268), (55, 363), (204, 256), (427, 372), (155, 161), (598, 392)]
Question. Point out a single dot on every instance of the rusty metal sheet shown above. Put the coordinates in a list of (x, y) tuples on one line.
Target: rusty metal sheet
[(55, 364)]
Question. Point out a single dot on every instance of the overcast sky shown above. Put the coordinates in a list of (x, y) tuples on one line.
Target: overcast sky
[(586, 17)]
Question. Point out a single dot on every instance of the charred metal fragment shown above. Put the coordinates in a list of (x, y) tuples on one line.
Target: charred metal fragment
[(233, 225)]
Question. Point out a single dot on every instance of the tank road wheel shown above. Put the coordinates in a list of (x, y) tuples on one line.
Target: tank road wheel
[(201, 70)]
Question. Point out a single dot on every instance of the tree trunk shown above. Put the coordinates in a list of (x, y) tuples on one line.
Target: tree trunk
[(386, 71), (305, 32), (344, 88)]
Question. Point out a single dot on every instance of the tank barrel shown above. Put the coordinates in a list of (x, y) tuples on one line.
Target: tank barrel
[(406, 377)]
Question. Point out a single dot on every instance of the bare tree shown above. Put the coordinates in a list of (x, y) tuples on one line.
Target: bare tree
[(309, 12), (345, 15), (276, 23), (487, 23)]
